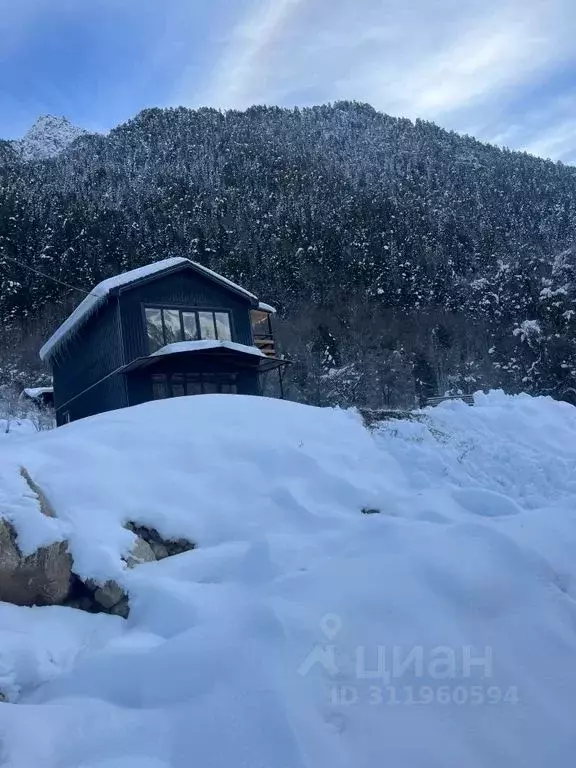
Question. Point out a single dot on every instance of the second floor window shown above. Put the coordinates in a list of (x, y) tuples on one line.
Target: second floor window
[(167, 326)]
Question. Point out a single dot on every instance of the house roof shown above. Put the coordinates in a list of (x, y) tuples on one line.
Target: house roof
[(204, 344), (99, 295), (248, 357)]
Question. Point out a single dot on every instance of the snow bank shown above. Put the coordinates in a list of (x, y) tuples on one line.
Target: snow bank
[(404, 596)]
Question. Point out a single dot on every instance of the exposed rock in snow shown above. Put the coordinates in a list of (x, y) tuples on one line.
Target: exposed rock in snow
[(48, 137), (32, 572), (160, 546), (38, 571), (109, 595), (42, 578), (141, 553)]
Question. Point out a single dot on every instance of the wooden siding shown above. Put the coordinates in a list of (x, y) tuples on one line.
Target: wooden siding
[(107, 395), (184, 290), (90, 356)]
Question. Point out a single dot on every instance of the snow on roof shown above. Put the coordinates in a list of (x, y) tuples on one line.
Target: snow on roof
[(266, 308), (100, 293), (198, 346)]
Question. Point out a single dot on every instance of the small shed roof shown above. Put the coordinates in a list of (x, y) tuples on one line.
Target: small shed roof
[(203, 345), (102, 291), (241, 355), (36, 392)]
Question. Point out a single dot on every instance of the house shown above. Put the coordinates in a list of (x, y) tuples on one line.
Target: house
[(167, 329)]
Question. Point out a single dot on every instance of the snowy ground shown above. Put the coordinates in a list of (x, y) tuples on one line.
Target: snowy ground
[(439, 631)]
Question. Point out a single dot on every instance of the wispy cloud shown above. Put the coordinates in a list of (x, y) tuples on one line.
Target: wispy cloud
[(556, 143), (461, 63), (238, 78), (502, 70)]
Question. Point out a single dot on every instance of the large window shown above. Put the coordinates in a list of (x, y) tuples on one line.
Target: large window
[(179, 384), (166, 326)]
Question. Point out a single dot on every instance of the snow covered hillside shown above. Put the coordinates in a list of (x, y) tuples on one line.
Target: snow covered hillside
[(403, 597), (48, 137)]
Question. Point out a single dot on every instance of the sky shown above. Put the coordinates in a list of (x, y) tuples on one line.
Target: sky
[(501, 70)]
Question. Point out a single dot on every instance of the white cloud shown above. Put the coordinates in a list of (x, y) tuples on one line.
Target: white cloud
[(486, 57), (556, 143), (238, 75), (462, 63)]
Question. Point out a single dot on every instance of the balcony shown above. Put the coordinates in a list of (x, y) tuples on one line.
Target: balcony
[(262, 332)]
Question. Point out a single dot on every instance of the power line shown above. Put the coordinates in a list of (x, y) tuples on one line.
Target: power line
[(42, 274)]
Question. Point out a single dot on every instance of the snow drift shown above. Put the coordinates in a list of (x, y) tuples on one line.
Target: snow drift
[(404, 596)]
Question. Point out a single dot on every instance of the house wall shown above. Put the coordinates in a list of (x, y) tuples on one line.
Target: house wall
[(81, 368), (107, 395), (180, 290)]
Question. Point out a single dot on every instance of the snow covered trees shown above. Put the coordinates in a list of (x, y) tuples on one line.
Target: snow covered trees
[(413, 246)]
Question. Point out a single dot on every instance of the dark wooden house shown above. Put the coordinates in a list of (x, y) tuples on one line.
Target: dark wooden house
[(171, 328)]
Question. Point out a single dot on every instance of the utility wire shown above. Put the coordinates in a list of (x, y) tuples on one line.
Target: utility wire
[(42, 274)]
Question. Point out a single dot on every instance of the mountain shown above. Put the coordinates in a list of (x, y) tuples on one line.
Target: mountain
[(48, 137), (405, 260)]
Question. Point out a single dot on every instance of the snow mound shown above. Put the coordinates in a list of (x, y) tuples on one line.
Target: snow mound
[(405, 595), (48, 137)]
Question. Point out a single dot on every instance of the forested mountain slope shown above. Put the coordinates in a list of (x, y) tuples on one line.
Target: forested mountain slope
[(404, 259)]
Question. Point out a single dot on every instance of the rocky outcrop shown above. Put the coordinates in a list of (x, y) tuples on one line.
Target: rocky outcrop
[(161, 547), (47, 577), (141, 552), (42, 578), (109, 597)]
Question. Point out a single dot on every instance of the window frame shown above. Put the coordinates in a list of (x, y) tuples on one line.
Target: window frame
[(182, 309), (166, 380)]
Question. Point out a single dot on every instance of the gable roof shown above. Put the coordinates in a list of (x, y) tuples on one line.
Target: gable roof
[(99, 295)]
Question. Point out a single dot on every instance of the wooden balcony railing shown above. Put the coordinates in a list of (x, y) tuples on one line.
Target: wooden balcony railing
[(262, 332), (266, 344)]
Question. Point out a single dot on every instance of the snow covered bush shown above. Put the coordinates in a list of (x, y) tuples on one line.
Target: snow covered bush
[(21, 415)]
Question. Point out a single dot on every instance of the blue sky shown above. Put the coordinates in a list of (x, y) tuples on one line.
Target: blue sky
[(502, 70)]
